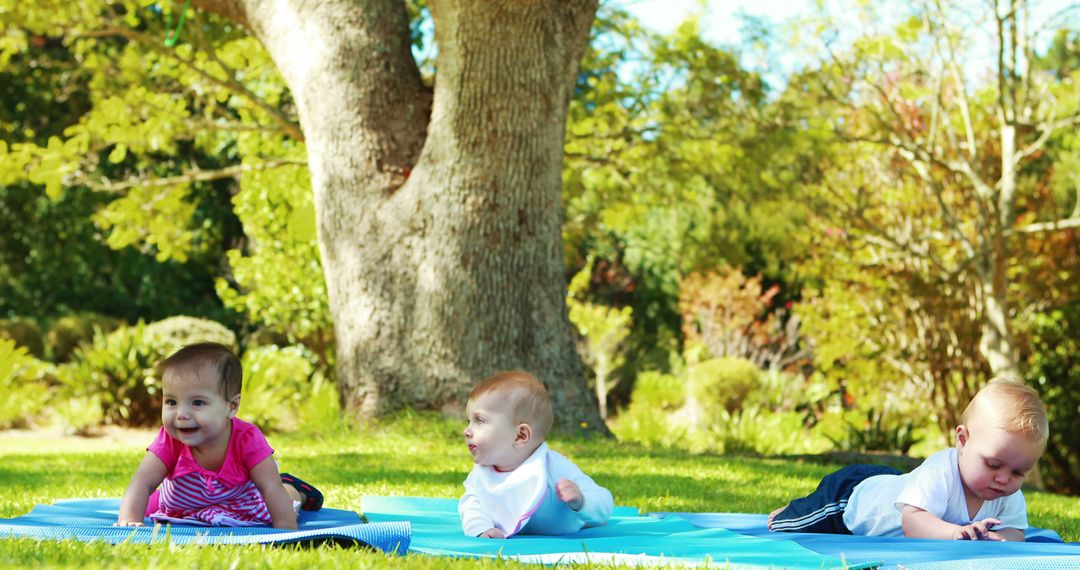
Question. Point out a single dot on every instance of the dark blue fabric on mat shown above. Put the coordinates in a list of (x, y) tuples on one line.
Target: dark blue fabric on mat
[(628, 538), (88, 520), (1043, 550)]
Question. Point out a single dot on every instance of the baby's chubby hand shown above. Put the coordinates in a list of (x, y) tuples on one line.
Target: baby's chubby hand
[(128, 523), (492, 533), (978, 530), (569, 493)]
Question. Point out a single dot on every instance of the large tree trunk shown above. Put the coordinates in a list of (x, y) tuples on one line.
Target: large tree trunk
[(997, 343), (440, 239)]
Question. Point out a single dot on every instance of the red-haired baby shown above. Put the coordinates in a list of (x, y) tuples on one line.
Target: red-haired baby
[(519, 485)]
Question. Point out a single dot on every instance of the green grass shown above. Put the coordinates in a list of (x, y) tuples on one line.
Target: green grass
[(412, 454)]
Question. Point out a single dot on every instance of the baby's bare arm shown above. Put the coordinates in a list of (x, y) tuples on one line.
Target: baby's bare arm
[(267, 479), (918, 523), (1011, 534), (150, 473)]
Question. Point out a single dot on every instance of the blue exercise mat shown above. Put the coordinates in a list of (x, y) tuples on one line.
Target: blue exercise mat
[(88, 520), (628, 537), (1043, 550)]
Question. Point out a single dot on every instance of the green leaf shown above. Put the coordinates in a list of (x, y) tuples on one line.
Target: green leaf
[(119, 152)]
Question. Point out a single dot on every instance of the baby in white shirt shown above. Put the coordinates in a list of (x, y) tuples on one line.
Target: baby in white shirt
[(970, 492), (518, 485)]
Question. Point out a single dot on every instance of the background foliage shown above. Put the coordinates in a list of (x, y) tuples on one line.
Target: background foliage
[(758, 264)]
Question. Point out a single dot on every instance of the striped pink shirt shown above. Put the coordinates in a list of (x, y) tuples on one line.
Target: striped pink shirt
[(191, 494)]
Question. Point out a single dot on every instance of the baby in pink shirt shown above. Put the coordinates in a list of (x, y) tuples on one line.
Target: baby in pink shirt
[(207, 466)]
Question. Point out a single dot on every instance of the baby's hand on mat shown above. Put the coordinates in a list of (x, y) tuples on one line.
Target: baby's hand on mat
[(128, 523), (991, 535), (569, 493), (492, 533), (978, 530)]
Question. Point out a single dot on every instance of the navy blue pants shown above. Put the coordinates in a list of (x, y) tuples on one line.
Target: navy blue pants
[(823, 510)]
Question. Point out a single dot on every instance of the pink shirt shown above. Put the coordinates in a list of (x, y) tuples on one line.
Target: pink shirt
[(191, 494)]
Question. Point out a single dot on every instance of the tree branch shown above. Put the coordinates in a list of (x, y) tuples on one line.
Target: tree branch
[(291, 128), (958, 77), (1061, 224), (1076, 202), (920, 157), (235, 10), (230, 83), (188, 177), (1049, 129)]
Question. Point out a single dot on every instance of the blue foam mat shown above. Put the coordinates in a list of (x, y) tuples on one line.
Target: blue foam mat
[(90, 520), (1043, 550), (629, 537)]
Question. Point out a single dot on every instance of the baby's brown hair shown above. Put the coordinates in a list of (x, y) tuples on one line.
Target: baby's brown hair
[(211, 356), (529, 400)]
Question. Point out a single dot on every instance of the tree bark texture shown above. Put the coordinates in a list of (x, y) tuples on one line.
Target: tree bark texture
[(997, 343), (439, 215)]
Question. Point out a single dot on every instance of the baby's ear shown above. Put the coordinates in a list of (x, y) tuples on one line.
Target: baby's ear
[(523, 435), (234, 405), (962, 435)]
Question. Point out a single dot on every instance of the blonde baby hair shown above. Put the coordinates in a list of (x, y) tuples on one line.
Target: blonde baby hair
[(528, 399), (1016, 407)]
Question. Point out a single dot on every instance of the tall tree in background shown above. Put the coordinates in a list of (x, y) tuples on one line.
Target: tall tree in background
[(942, 188), (678, 160), (438, 213)]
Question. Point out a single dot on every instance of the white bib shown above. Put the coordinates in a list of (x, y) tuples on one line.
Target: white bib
[(512, 498)]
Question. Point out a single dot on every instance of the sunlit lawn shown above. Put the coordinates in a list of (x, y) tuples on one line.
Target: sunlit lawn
[(410, 455)]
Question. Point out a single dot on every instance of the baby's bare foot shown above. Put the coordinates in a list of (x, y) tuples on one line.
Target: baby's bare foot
[(772, 515)]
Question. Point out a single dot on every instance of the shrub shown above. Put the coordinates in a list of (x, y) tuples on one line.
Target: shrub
[(730, 314), (320, 412), (876, 431), (754, 431), (1055, 373), (118, 370), (722, 384), (648, 419), (70, 331), (80, 415), (285, 391), (658, 391), (790, 392), (660, 414), (265, 337), (25, 333), (23, 383), (648, 426), (176, 332)]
